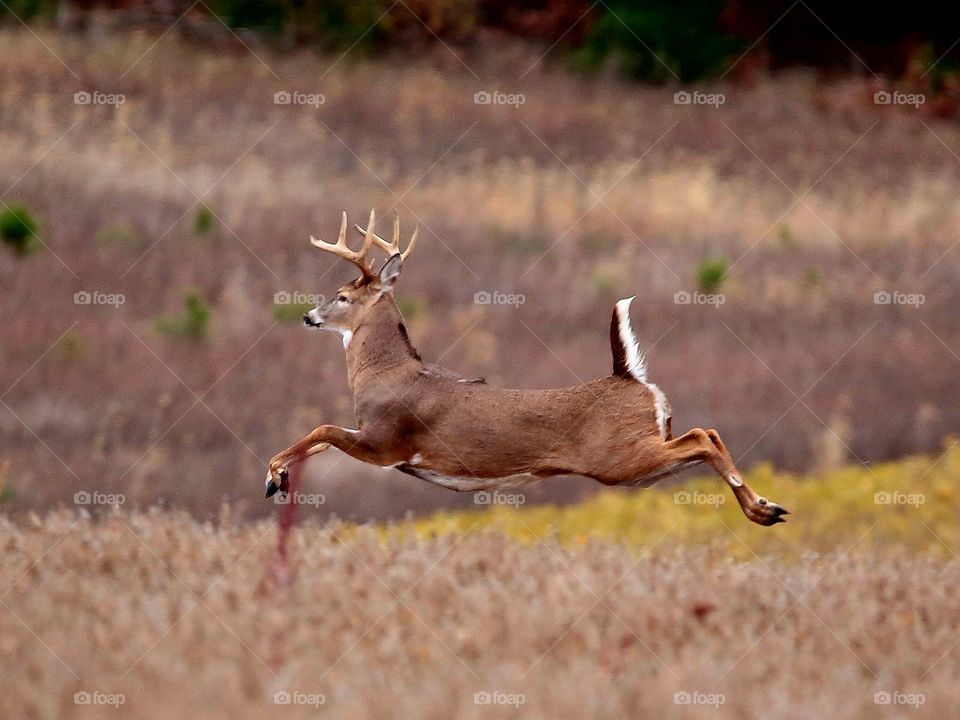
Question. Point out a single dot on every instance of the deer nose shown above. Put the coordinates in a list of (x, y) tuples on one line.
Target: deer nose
[(306, 319)]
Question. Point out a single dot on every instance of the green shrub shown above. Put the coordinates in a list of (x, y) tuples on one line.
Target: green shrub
[(355, 24), (523, 244), (191, 324), (785, 236), (72, 346), (117, 235), (412, 306), (18, 228), (710, 274), (290, 312), (812, 278), (18, 10), (684, 36), (604, 278), (203, 222)]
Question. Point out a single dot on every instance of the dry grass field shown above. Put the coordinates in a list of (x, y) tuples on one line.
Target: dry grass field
[(159, 616), (658, 603)]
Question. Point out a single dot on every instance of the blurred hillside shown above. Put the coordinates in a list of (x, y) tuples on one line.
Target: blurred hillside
[(791, 242)]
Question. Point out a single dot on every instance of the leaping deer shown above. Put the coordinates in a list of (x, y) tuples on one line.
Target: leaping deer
[(466, 435)]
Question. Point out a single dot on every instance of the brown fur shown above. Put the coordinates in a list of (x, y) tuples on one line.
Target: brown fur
[(468, 435)]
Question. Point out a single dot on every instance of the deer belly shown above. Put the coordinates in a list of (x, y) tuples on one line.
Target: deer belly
[(464, 483)]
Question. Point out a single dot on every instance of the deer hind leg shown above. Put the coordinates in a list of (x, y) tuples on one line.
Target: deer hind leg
[(349, 441), (705, 446)]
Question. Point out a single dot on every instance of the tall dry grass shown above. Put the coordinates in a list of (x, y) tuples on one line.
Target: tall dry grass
[(798, 366), (179, 618)]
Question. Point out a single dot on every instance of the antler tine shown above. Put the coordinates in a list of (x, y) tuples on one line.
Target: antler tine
[(392, 247), (413, 241), (340, 248)]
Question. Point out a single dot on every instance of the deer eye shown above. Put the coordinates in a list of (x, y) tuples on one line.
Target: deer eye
[(342, 298)]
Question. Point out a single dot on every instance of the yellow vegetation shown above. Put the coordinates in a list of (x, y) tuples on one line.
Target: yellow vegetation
[(911, 503)]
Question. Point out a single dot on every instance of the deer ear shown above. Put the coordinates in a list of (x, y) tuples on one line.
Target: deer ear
[(390, 271)]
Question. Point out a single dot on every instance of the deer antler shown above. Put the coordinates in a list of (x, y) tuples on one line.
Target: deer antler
[(340, 249), (392, 247)]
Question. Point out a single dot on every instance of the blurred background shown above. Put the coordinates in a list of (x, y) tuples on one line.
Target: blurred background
[(775, 182)]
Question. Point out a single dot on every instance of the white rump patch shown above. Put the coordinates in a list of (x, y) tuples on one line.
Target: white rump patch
[(662, 408), (636, 362)]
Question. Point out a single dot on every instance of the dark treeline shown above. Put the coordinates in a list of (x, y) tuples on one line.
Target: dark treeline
[(691, 39)]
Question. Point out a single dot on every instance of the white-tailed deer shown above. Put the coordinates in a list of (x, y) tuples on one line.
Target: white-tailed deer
[(466, 435)]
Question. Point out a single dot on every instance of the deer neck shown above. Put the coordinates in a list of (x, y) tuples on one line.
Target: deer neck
[(380, 342)]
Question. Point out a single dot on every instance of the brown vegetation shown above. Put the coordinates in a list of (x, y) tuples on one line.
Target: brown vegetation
[(103, 399), (182, 618)]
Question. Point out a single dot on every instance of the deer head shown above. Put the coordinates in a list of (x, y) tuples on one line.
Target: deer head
[(346, 311)]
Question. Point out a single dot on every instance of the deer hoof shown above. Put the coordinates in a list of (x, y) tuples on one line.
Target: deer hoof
[(766, 513), (276, 481)]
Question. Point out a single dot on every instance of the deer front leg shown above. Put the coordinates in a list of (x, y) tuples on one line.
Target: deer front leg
[(323, 437)]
